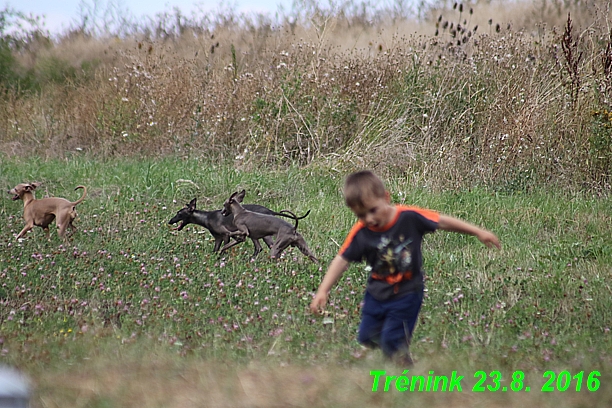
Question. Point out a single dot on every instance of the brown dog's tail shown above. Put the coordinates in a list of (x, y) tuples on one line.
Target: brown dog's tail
[(289, 214), (80, 200)]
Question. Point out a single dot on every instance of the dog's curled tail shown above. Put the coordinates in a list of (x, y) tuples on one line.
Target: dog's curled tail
[(290, 214), (80, 200)]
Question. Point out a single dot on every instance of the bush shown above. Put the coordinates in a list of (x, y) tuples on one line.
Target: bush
[(463, 106)]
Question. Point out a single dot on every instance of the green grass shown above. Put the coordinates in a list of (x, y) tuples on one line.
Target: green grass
[(130, 302)]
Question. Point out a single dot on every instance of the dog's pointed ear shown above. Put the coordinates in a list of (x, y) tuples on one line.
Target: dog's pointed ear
[(240, 196), (192, 205), (35, 185), (31, 186)]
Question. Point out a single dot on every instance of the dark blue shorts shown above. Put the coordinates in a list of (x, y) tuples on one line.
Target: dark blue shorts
[(389, 324)]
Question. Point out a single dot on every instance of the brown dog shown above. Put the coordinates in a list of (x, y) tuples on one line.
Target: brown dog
[(42, 212)]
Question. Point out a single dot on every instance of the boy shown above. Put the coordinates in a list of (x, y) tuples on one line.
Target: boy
[(388, 238)]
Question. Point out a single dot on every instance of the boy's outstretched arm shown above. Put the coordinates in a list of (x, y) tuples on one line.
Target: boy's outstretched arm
[(448, 223), (336, 268)]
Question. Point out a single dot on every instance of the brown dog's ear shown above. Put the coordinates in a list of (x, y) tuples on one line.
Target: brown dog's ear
[(35, 185)]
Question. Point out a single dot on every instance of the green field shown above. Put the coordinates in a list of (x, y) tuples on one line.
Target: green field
[(133, 313)]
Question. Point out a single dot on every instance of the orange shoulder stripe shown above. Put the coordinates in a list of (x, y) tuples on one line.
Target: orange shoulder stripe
[(349, 238), (429, 214)]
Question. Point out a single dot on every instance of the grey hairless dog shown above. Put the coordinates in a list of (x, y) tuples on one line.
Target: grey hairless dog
[(219, 225), (255, 226)]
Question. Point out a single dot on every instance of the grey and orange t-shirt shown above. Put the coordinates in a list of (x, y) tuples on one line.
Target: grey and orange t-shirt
[(392, 253)]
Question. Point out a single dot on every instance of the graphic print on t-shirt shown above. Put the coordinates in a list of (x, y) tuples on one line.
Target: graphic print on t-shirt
[(393, 256)]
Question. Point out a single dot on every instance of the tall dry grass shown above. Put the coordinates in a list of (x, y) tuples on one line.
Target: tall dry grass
[(512, 95)]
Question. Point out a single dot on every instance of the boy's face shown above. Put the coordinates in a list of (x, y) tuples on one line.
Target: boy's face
[(375, 212)]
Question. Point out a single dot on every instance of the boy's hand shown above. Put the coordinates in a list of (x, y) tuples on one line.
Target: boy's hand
[(489, 239), (335, 270), (318, 303)]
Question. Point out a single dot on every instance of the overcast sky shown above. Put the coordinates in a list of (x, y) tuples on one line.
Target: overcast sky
[(60, 13)]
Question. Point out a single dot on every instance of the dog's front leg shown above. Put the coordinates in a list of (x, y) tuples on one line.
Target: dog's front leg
[(24, 231), (228, 246), (220, 240), (244, 232)]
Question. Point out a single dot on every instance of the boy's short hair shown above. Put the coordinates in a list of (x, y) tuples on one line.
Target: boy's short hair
[(362, 184)]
